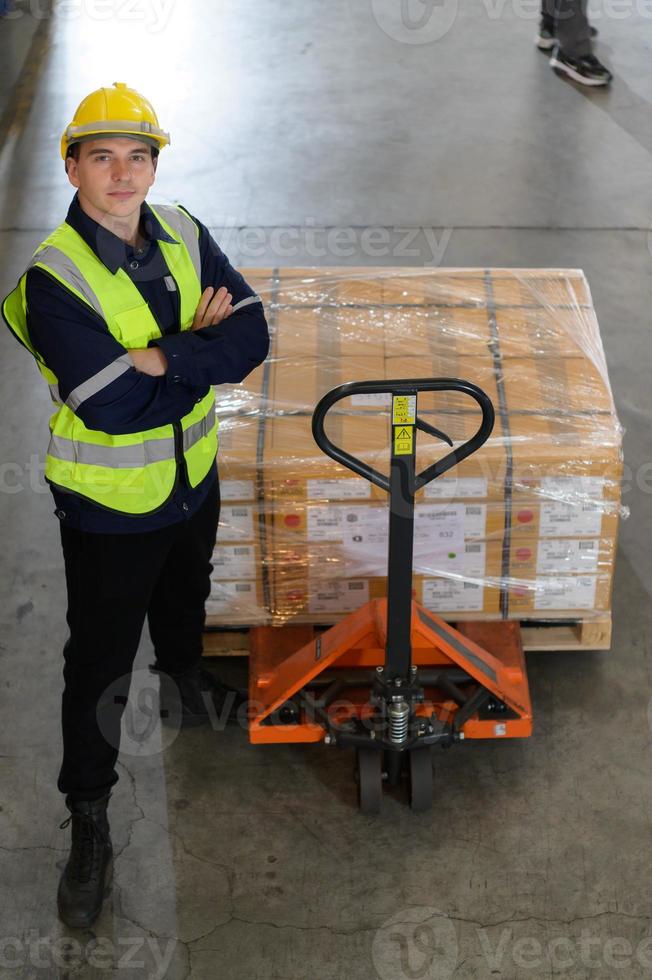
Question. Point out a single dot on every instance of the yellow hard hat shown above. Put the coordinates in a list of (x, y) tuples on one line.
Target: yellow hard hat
[(118, 111)]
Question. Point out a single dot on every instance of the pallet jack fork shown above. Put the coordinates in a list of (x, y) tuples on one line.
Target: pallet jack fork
[(393, 679)]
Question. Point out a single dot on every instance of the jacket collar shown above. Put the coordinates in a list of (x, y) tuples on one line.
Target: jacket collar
[(110, 249)]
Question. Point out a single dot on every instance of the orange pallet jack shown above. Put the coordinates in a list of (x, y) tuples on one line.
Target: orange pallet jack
[(393, 679)]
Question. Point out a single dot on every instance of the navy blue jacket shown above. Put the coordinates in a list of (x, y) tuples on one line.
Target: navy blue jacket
[(76, 343)]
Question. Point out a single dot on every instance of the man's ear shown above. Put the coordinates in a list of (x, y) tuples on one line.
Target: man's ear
[(71, 171)]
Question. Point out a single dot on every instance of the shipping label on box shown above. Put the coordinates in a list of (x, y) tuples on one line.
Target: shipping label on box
[(438, 539), (365, 535), (233, 561), (238, 522), (560, 594), (338, 596), (475, 520), (381, 399), (355, 540), (323, 523), (461, 487), (348, 488), (440, 525), (557, 519), (454, 522), (572, 592), (474, 559), (237, 490), (235, 601), (556, 556), (573, 489), (452, 595)]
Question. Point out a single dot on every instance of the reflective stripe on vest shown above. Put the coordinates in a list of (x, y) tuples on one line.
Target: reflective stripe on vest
[(185, 228), (100, 380), (126, 457), (56, 260), (113, 457)]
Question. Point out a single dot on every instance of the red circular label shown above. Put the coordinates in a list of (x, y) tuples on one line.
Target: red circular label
[(525, 516), (292, 520), (523, 554), (295, 596)]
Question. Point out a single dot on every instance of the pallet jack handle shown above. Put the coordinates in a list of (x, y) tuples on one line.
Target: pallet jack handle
[(404, 388), (402, 484)]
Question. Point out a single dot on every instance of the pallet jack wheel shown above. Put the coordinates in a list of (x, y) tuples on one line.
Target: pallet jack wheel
[(370, 780), (421, 780)]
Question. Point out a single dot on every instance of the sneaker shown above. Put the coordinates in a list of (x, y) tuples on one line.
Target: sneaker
[(546, 40), (82, 884), (587, 70), (196, 697)]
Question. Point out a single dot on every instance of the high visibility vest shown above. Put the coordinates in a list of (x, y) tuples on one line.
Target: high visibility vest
[(136, 473)]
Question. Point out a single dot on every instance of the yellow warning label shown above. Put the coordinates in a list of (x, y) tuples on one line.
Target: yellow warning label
[(403, 440), (404, 409)]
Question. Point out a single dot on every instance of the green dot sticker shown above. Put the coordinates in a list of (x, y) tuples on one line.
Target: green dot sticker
[(452, 554)]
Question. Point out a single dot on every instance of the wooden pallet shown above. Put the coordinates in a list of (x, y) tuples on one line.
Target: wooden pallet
[(589, 634)]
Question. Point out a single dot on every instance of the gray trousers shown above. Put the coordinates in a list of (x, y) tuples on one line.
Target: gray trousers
[(571, 25)]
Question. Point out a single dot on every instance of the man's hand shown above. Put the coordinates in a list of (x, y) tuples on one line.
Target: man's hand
[(149, 360), (214, 306)]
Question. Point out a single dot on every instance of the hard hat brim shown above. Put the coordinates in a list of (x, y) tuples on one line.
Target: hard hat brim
[(142, 130), (150, 140)]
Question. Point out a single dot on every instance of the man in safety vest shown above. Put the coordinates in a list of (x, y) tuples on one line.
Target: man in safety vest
[(132, 314)]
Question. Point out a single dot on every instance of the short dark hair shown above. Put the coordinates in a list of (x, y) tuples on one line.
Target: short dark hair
[(73, 151)]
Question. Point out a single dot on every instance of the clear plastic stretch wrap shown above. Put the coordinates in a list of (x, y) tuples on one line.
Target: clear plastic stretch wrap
[(525, 528)]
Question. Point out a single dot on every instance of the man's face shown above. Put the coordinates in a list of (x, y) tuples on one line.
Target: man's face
[(113, 175)]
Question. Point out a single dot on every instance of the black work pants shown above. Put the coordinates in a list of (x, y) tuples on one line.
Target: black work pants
[(113, 582), (571, 25)]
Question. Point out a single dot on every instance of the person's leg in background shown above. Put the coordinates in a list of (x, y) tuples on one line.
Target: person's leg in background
[(564, 30), (109, 578), (572, 28), (545, 39)]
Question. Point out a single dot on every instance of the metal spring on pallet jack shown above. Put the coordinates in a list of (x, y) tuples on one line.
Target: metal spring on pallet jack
[(399, 714)]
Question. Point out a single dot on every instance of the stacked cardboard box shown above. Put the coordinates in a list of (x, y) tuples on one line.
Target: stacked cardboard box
[(237, 589), (524, 528)]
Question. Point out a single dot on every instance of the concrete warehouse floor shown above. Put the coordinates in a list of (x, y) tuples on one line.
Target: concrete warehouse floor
[(253, 863)]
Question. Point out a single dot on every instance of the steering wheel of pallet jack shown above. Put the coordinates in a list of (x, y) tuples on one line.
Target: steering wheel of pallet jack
[(421, 779), (369, 775)]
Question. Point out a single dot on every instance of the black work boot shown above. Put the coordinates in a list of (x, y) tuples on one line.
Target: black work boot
[(196, 697), (81, 888)]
